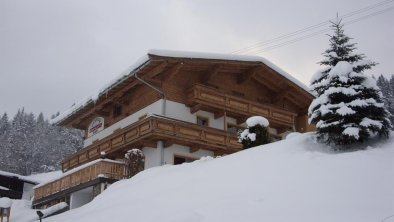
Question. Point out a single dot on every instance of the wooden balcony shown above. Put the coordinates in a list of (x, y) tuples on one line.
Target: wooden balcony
[(206, 98), (100, 168), (145, 133)]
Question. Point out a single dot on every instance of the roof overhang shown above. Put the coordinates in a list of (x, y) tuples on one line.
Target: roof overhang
[(155, 58)]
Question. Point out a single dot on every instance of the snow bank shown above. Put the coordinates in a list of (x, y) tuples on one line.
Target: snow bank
[(291, 180), (55, 208), (21, 211)]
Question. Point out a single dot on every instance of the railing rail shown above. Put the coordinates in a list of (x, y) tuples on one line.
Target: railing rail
[(154, 128), (204, 95), (103, 168)]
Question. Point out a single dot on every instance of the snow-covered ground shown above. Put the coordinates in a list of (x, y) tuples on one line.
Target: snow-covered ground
[(291, 180)]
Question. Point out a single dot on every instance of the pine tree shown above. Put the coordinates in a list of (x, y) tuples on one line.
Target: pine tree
[(348, 107), (4, 147), (388, 96), (29, 145), (391, 82)]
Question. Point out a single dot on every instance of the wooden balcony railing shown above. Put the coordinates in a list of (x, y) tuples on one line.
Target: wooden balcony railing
[(213, 99), (147, 131), (99, 168)]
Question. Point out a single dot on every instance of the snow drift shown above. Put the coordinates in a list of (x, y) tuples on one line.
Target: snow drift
[(291, 180)]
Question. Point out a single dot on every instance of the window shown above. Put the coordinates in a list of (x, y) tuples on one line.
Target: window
[(232, 128), (117, 111), (202, 121), (181, 159)]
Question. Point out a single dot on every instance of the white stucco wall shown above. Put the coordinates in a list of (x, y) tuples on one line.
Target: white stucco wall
[(152, 157), (27, 191), (81, 197), (154, 108), (182, 112)]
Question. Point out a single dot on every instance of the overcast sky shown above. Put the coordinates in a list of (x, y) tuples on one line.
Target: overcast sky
[(54, 53)]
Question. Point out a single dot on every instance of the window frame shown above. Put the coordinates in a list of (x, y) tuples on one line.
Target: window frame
[(203, 118), (183, 156)]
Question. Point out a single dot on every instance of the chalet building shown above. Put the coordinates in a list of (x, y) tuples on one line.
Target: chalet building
[(176, 107), (15, 186)]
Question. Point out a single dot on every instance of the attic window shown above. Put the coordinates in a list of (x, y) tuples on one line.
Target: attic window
[(202, 121), (117, 111)]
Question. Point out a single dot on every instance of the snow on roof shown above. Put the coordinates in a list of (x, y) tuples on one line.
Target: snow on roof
[(232, 57), (4, 188), (5, 202), (103, 90), (20, 177), (43, 177), (74, 170), (139, 64)]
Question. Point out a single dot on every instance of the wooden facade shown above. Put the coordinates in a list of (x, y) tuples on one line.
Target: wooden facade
[(227, 88), (175, 77)]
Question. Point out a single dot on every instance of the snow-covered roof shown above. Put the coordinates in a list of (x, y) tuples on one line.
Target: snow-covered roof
[(5, 202), (230, 57), (139, 64), (20, 177), (43, 177)]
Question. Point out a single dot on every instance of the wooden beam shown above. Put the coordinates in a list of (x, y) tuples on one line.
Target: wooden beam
[(172, 71), (101, 112), (156, 70), (78, 126), (155, 82), (194, 149), (195, 108), (149, 143), (266, 84), (219, 114), (126, 98), (168, 143), (241, 120), (219, 153), (213, 71), (281, 95), (249, 74)]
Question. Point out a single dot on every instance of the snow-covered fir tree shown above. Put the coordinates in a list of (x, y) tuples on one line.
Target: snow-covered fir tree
[(256, 132), (348, 107), (388, 95), (392, 83), (29, 145)]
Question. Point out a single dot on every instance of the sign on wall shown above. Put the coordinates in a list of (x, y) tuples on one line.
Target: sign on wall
[(96, 126)]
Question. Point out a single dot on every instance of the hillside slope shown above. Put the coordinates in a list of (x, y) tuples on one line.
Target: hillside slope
[(290, 180)]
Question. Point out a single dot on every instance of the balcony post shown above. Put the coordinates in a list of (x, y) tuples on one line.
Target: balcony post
[(160, 149)]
